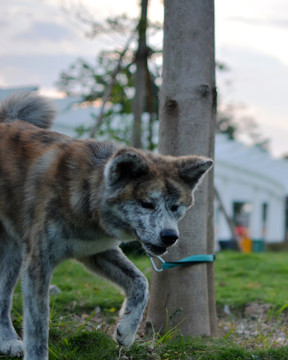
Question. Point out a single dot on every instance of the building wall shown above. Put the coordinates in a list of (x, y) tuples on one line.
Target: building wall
[(236, 184)]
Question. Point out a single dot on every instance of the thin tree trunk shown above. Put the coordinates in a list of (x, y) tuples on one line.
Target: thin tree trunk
[(187, 126), (110, 86), (150, 108), (140, 77), (228, 220)]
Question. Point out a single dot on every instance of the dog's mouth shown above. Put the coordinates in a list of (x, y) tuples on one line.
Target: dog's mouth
[(152, 249)]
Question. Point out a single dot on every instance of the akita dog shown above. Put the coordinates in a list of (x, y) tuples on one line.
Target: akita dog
[(63, 198)]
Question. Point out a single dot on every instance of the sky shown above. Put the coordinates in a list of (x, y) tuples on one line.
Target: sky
[(39, 40)]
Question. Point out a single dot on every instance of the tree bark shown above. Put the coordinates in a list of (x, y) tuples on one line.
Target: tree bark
[(187, 126), (140, 77)]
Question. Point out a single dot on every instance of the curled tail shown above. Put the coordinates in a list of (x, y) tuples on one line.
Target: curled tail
[(28, 107)]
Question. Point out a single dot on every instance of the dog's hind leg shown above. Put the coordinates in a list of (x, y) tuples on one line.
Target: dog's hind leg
[(10, 264), (114, 265)]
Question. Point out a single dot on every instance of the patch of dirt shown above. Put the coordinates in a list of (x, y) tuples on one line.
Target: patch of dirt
[(260, 327)]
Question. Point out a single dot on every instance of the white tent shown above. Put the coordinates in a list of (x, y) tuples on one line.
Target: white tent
[(252, 182), (5, 92)]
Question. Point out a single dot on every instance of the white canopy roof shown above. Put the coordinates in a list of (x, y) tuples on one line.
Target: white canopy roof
[(251, 160)]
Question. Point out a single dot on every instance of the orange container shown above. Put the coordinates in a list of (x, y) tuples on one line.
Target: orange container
[(246, 245)]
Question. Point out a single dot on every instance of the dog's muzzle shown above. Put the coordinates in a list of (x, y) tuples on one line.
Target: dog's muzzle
[(167, 238)]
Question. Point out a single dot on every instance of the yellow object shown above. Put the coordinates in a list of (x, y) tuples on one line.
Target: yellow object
[(246, 245)]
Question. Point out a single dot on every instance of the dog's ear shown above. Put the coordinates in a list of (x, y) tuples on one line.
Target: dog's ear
[(127, 164), (192, 169)]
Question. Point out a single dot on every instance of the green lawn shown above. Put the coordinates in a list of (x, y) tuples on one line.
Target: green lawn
[(244, 278), (75, 325)]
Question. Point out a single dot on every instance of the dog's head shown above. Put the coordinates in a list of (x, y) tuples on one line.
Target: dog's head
[(147, 194)]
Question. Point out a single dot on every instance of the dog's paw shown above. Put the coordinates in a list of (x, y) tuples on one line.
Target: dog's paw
[(12, 347), (124, 336)]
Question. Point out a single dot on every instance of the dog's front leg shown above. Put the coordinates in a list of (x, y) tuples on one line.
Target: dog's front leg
[(115, 266), (36, 275)]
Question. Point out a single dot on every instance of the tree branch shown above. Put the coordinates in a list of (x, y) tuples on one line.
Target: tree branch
[(110, 86)]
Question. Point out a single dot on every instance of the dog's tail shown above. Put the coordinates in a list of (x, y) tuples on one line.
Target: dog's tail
[(28, 107)]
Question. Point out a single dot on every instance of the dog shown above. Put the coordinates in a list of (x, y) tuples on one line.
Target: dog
[(63, 198)]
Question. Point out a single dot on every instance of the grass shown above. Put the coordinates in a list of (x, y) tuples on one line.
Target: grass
[(239, 279), (244, 278)]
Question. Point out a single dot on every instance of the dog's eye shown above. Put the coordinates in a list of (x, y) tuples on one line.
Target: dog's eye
[(174, 208), (147, 205)]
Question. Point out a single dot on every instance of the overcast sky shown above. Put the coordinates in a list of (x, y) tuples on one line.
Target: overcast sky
[(38, 41)]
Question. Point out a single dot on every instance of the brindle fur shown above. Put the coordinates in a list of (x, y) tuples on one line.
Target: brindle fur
[(63, 198)]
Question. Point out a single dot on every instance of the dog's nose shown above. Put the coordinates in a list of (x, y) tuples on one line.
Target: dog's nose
[(168, 236)]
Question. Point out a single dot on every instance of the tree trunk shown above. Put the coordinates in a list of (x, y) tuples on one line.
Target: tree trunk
[(187, 126), (229, 221), (140, 77)]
